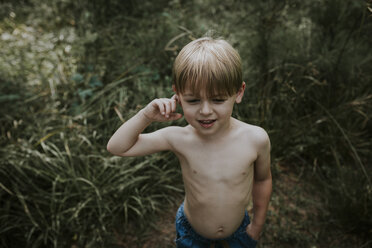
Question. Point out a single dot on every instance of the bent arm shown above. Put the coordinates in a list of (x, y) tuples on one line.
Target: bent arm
[(128, 140)]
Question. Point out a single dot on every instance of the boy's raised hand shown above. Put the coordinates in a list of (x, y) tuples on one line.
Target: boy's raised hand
[(162, 109)]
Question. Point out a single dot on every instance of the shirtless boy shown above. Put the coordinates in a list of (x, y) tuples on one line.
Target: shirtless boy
[(225, 162)]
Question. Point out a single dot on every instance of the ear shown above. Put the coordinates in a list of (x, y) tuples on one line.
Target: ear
[(240, 94)]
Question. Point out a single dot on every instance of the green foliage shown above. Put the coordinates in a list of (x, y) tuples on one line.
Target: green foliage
[(56, 198), (73, 71), (311, 69)]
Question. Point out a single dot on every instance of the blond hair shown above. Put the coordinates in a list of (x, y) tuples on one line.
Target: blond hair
[(208, 64)]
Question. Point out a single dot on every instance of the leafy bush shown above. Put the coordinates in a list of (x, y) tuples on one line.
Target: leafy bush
[(312, 84), (73, 71)]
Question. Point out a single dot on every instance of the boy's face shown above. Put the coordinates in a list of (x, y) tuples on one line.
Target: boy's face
[(209, 116)]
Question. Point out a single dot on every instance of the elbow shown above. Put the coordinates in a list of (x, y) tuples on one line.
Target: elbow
[(111, 149), (113, 152)]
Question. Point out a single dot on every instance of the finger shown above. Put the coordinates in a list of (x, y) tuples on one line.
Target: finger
[(175, 97), (178, 100), (168, 108), (165, 103), (174, 105), (160, 106)]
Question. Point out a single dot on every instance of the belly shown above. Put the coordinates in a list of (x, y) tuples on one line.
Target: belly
[(214, 217), (216, 197)]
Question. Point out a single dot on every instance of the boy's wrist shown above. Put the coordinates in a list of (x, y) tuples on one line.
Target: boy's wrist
[(143, 115), (254, 231), (257, 225)]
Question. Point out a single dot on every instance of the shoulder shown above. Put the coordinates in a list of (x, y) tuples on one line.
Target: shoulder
[(174, 133), (177, 137), (253, 134), (172, 130)]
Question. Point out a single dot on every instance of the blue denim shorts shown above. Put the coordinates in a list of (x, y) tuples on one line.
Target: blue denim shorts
[(188, 237)]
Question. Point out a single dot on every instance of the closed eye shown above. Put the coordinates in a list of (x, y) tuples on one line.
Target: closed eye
[(219, 100), (193, 101)]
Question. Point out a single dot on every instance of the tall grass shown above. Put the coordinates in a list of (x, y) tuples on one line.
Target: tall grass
[(72, 71), (59, 185), (52, 200)]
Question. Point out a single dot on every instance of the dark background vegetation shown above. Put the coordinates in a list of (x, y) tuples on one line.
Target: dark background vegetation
[(72, 71)]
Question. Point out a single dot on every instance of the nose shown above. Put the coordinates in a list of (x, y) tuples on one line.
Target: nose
[(205, 108)]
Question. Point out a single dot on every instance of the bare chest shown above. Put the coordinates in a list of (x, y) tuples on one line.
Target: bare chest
[(222, 165)]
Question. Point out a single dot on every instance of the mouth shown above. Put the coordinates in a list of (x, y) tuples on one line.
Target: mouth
[(206, 123)]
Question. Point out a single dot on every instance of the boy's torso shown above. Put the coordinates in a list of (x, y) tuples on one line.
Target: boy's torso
[(218, 178)]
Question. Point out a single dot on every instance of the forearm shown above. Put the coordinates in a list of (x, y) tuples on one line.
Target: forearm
[(127, 135), (261, 196)]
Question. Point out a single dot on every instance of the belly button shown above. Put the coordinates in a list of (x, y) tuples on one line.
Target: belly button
[(194, 171)]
